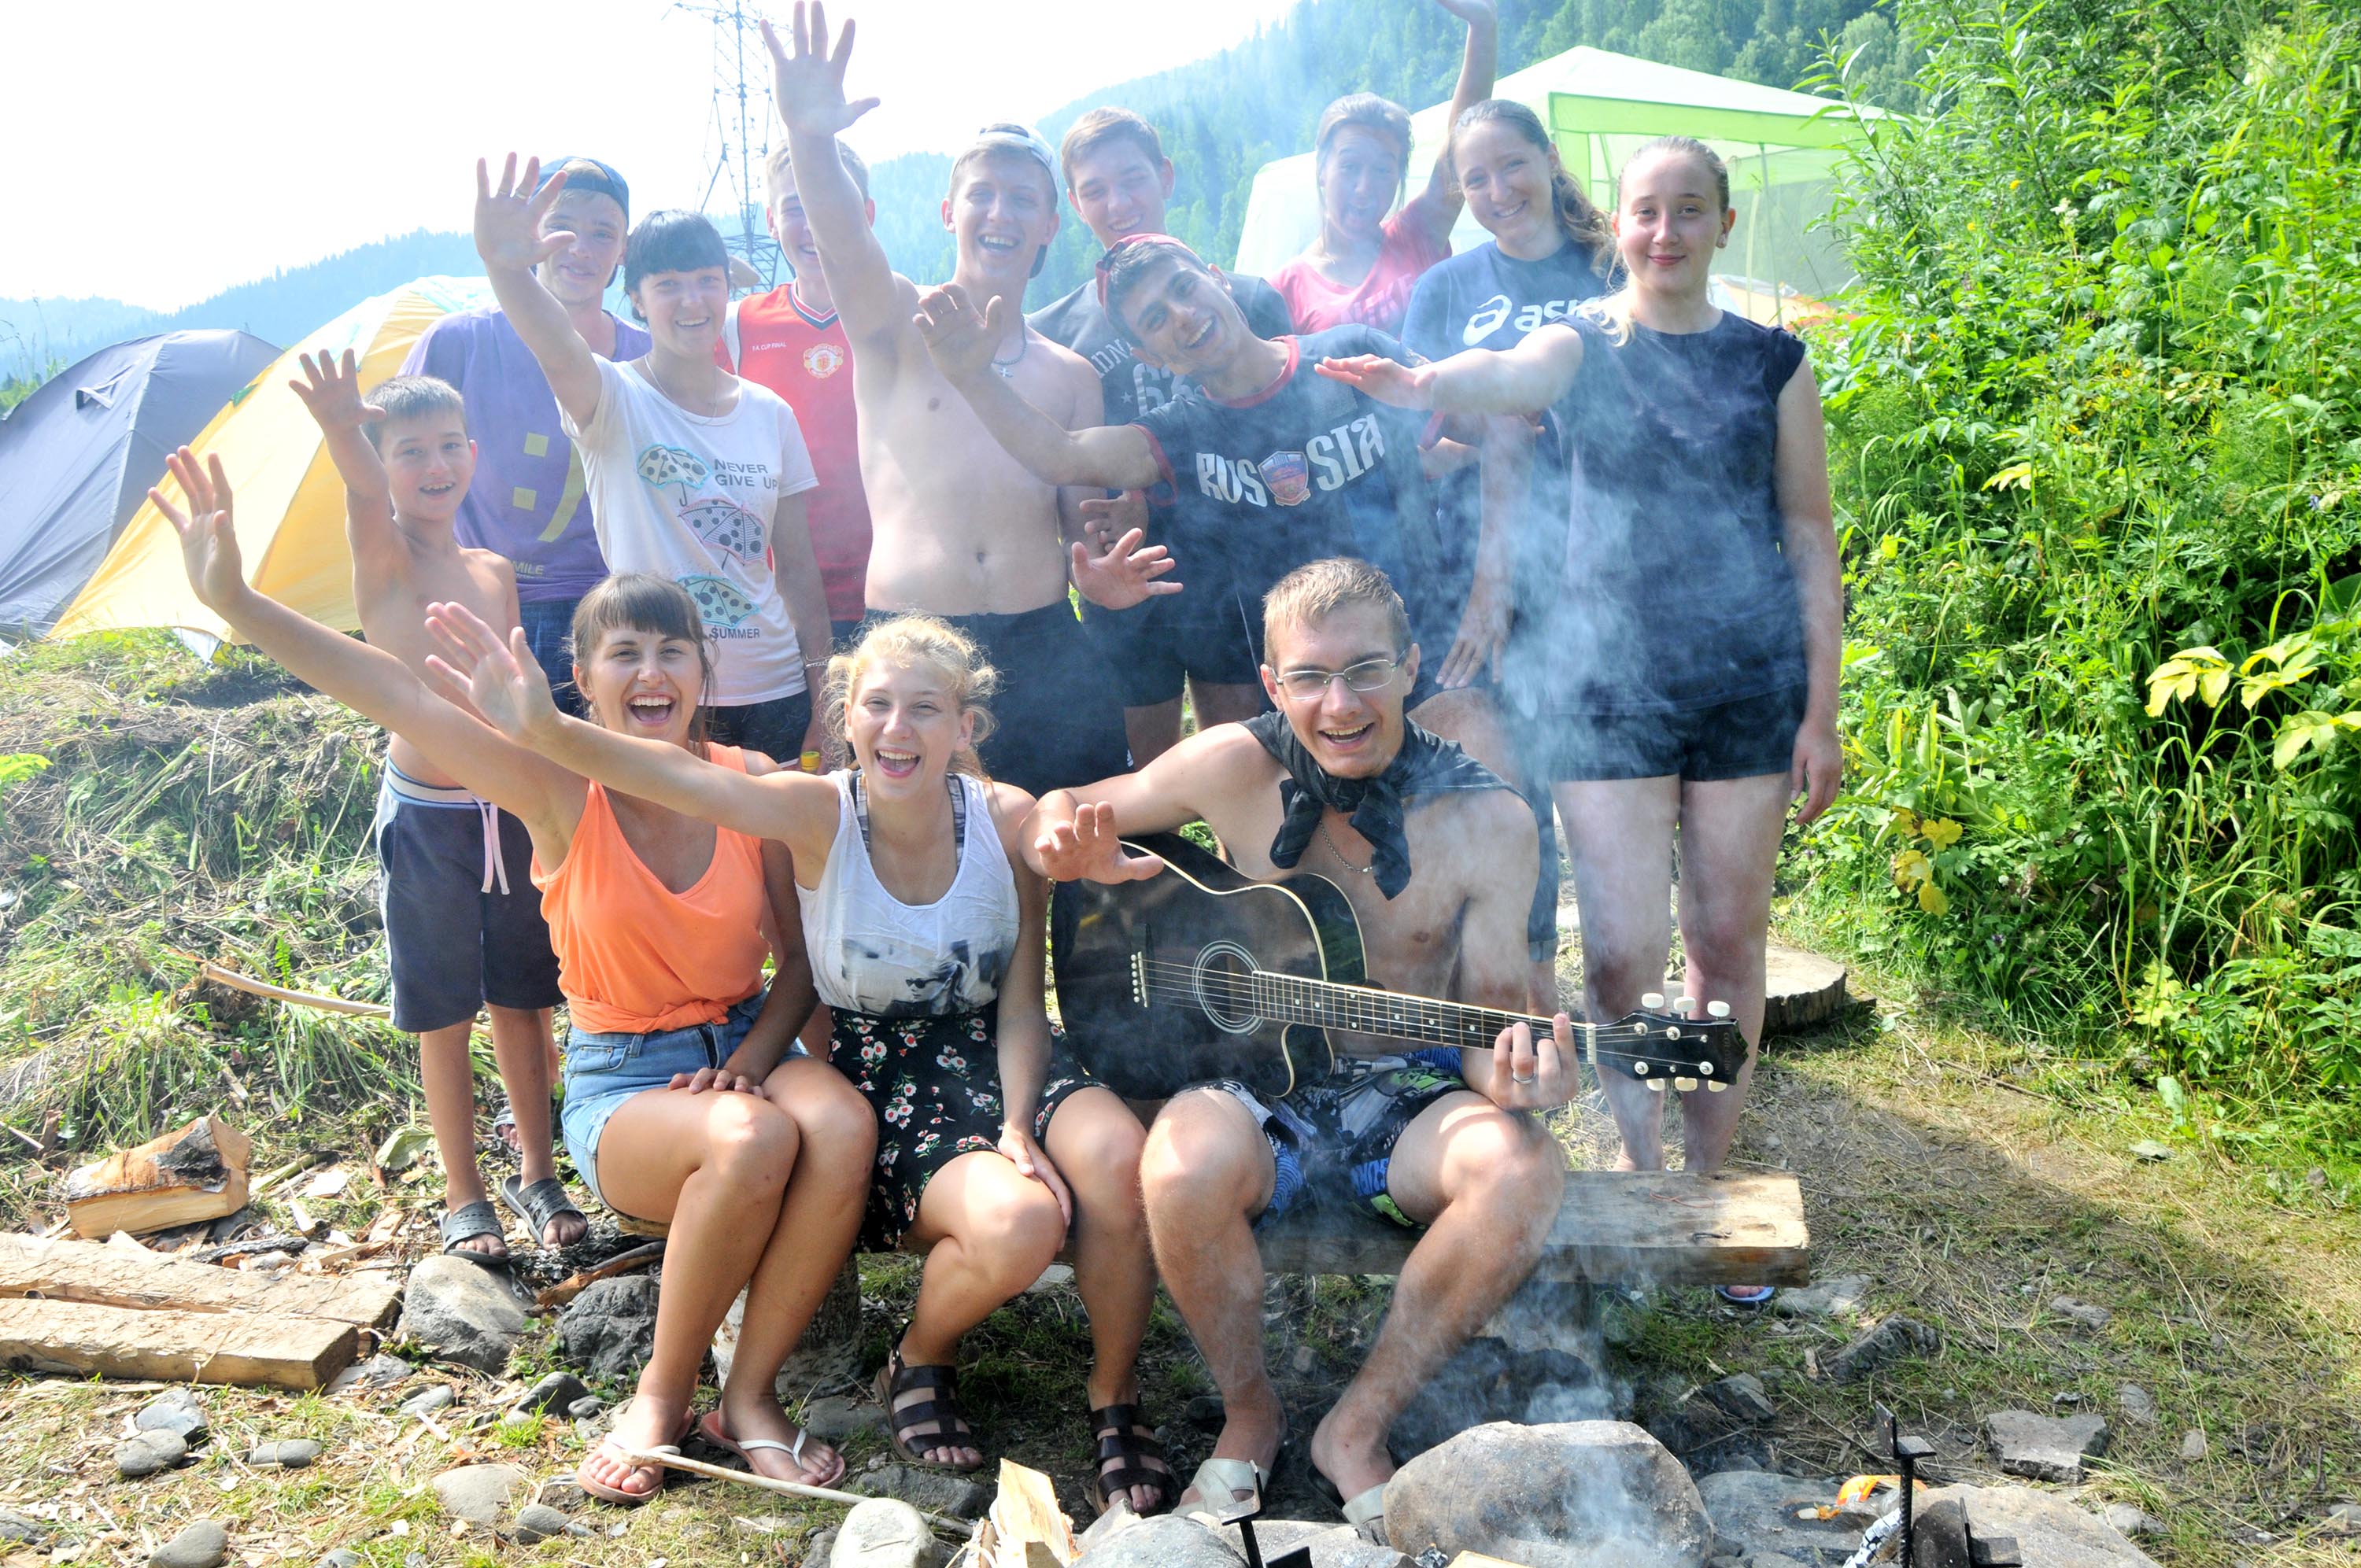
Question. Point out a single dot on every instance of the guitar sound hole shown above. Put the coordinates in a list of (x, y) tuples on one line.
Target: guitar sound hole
[(1223, 981)]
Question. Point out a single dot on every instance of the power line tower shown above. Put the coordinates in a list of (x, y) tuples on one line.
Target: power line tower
[(739, 131)]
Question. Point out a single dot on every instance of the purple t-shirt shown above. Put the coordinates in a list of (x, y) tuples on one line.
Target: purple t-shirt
[(527, 501)]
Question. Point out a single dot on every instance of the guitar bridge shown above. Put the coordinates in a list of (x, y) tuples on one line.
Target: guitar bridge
[(1139, 977)]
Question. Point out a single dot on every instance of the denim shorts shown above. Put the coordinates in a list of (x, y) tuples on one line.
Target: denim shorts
[(604, 1070)]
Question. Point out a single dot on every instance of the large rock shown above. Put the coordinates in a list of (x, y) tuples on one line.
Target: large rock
[(1753, 1514), (2050, 1530), (881, 1534), (1491, 1380), (1164, 1542), (1331, 1545), (1569, 1496), (2044, 1448), (923, 1487), (610, 1331), (463, 1311), (476, 1493)]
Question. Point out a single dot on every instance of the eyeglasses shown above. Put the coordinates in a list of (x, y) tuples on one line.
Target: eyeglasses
[(1311, 685)]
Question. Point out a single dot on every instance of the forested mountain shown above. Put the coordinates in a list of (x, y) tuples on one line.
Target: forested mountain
[(1224, 117)]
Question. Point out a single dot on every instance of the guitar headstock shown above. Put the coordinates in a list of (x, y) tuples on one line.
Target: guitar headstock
[(1660, 1047)]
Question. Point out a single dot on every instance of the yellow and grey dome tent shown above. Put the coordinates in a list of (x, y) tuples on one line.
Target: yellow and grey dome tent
[(291, 505), (1599, 106)]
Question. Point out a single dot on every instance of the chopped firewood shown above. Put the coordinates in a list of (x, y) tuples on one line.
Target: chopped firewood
[(84, 1271), (196, 1173), (306, 1225), (1027, 1523), (123, 1241), (261, 1348)]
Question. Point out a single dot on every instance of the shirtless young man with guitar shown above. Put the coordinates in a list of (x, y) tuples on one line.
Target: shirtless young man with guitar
[(1422, 1139)]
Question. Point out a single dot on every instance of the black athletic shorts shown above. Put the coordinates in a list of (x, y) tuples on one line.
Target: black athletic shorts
[(1156, 646), (1058, 718), (774, 727), (463, 922), (1743, 739)]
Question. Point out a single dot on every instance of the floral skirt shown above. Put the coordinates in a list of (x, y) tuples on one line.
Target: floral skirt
[(935, 1086)]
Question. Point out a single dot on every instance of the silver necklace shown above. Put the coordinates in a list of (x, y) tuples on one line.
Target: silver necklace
[(1356, 871), (648, 368), (1007, 369)]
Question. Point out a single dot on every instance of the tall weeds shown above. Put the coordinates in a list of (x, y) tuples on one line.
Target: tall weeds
[(2098, 466)]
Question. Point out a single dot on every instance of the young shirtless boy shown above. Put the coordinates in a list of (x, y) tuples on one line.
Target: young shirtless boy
[(961, 529), (1118, 180), (463, 924), (1436, 856)]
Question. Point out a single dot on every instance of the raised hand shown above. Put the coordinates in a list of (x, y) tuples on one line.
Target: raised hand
[(332, 392), (507, 220), (501, 680), (809, 84), (1106, 519), (1089, 849), (1534, 1075), (208, 534), (960, 339), (1123, 573), (1387, 381)]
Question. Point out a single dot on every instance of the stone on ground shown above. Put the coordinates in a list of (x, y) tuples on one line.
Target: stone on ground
[(1753, 1515), (2050, 1530), (1742, 1396), (560, 1391), (478, 1492), (837, 1416), (288, 1452), (1569, 1496), (1894, 1339), (1829, 1297), (2193, 1446), (1331, 1545), (935, 1491), (610, 1331), (203, 1544), (2088, 1314), (380, 1371), (342, 1557), (881, 1534), (149, 1453), (175, 1410), (2132, 1520), (2044, 1448), (18, 1530), (1164, 1542), (2135, 1404), (426, 1401), (539, 1521), (463, 1311)]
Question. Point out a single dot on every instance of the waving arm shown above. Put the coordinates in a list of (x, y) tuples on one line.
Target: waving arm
[(509, 238), (1437, 206), (1520, 380), (808, 87), (961, 339)]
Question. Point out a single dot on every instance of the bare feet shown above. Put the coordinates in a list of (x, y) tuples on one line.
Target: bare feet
[(746, 1427), (642, 1424), (1351, 1451)]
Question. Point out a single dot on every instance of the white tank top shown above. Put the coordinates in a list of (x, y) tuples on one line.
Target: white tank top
[(873, 953)]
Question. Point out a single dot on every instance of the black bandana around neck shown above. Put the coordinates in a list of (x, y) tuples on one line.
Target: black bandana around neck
[(1426, 764)]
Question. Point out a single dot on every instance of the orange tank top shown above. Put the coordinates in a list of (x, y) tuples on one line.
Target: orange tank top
[(635, 958)]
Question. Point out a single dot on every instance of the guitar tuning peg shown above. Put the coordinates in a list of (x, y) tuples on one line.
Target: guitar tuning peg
[(1654, 1001), (1716, 1086), (1684, 1085), (1685, 1005), (1657, 1085), (1704, 1069), (1717, 1009)]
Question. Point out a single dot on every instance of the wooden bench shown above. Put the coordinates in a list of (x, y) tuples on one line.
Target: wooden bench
[(1613, 1226)]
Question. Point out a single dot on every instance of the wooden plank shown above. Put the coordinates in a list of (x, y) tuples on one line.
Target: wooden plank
[(89, 1272), (254, 1350), (1671, 1227), (198, 1172)]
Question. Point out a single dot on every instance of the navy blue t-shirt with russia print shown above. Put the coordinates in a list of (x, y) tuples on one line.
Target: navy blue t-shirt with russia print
[(1675, 592), (1306, 468)]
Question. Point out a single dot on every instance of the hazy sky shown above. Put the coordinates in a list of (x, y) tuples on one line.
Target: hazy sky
[(160, 153)]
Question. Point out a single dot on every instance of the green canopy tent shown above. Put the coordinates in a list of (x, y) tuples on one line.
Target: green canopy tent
[(1782, 148)]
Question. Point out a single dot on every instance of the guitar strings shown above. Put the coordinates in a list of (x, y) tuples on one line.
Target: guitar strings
[(1242, 989)]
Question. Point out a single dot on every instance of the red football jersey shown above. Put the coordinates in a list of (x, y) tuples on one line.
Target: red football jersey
[(805, 359)]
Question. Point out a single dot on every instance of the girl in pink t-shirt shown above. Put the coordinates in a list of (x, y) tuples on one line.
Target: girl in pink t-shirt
[(1363, 265)]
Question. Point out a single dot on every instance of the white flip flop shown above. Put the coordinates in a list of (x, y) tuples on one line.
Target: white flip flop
[(745, 1448)]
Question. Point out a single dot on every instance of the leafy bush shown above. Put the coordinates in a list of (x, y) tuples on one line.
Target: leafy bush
[(2097, 456)]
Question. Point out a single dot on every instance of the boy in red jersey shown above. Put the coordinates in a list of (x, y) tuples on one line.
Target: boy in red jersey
[(790, 341)]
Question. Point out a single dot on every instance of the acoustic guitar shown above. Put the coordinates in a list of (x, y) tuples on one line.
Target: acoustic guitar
[(1201, 972)]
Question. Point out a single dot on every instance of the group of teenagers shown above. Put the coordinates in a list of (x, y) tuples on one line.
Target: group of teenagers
[(1447, 550)]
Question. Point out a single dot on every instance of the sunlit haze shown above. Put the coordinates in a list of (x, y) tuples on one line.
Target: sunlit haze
[(165, 152)]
